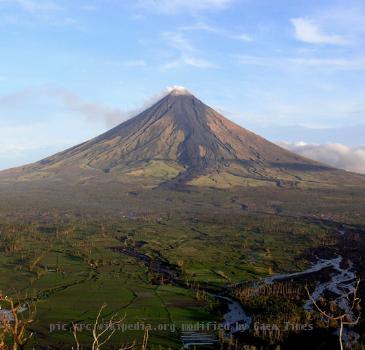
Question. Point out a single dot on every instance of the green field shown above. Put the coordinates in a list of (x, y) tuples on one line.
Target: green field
[(68, 269)]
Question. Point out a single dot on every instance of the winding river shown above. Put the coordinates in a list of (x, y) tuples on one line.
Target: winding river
[(341, 283)]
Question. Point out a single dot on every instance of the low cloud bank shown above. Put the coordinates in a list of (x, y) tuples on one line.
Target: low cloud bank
[(334, 154)]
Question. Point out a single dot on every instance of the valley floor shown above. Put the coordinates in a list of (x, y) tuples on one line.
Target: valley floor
[(161, 272)]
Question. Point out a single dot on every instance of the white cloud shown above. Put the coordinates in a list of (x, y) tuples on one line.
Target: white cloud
[(309, 32), (242, 37), (178, 41), (334, 154), (341, 63), (202, 26), (29, 12), (338, 63), (188, 55), (189, 61), (32, 5), (172, 6)]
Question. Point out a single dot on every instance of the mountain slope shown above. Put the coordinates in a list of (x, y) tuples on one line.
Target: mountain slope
[(180, 141)]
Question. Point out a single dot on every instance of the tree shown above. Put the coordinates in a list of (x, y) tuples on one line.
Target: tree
[(345, 318), (101, 333), (15, 324)]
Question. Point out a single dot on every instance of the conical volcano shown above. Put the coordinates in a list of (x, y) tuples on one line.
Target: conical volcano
[(178, 128), (178, 141)]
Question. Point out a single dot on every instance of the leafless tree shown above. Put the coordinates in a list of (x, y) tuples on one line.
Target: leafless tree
[(344, 318), (102, 333), (145, 338), (15, 324)]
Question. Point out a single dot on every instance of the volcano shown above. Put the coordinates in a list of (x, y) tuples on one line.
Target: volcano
[(177, 142)]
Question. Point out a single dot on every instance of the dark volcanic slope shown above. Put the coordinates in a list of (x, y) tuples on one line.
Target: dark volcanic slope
[(177, 138)]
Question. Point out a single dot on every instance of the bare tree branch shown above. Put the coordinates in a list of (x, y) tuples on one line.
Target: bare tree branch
[(344, 318)]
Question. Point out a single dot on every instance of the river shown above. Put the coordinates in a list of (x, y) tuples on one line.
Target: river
[(341, 284)]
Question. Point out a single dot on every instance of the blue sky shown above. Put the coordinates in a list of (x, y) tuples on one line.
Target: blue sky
[(293, 71)]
